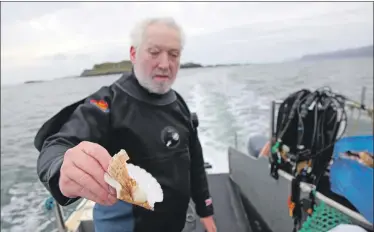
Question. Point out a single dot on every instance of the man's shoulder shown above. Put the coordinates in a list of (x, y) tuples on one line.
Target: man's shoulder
[(179, 96), (181, 100), (109, 91), (192, 115), (121, 81)]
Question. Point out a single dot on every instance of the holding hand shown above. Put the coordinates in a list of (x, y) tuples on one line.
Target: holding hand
[(209, 224), (82, 174)]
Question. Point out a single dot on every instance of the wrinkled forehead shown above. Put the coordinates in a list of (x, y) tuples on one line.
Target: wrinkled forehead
[(162, 37)]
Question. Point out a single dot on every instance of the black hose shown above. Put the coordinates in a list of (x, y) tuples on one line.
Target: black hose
[(322, 96)]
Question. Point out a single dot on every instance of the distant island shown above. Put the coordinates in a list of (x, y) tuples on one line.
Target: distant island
[(108, 68), (191, 65), (33, 81), (365, 51), (125, 66)]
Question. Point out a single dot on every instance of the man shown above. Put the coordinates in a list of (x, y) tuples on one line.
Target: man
[(143, 115)]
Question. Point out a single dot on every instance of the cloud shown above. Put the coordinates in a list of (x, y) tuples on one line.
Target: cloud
[(47, 40)]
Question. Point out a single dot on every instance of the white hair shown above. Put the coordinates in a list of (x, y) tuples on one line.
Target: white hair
[(138, 32)]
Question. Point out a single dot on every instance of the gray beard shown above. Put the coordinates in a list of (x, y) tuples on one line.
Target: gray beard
[(151, 86)]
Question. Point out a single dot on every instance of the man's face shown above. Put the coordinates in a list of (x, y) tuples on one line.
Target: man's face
[(156, 61)]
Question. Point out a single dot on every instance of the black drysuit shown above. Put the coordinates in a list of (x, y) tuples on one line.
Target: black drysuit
[(159, 135)]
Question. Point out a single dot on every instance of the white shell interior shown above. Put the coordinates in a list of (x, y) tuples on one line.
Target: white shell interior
[(147, 183), (149, 189)]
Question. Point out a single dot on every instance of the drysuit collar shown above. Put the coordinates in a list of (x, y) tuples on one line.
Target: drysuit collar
[(130, 84)]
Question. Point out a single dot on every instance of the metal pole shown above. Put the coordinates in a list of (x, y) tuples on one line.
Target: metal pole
[(363, 95), (272, 119), (236, 140), (362, 102), (59, 218)]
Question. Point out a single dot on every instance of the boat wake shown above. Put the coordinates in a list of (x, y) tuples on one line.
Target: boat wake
[(25, 211), (224, 109)]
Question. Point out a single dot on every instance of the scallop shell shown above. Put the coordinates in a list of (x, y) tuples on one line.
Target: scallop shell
[(147, 183), (132, 183)]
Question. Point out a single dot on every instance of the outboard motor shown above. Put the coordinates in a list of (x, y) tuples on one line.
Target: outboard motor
[(256, 144)]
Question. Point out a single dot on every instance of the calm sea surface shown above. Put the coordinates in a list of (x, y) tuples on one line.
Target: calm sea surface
[(227, 100)]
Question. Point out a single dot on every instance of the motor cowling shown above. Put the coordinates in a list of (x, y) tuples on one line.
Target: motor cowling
[(256, 144)]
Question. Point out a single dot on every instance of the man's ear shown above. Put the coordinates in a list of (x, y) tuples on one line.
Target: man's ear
[(132, 54)]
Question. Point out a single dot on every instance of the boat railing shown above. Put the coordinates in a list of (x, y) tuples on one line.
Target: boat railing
[(59, 212), (307, 188), (59, 217), (52, 205)]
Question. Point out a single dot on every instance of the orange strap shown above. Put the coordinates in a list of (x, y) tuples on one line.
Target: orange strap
[(291, 206), (265, 151)]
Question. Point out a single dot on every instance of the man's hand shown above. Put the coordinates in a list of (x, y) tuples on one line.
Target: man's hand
[(82, 174), (209, 224)]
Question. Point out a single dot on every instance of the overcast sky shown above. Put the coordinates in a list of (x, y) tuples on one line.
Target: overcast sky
[(46, 40)]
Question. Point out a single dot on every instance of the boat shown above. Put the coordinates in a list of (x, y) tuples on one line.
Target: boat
[(248, 198)]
